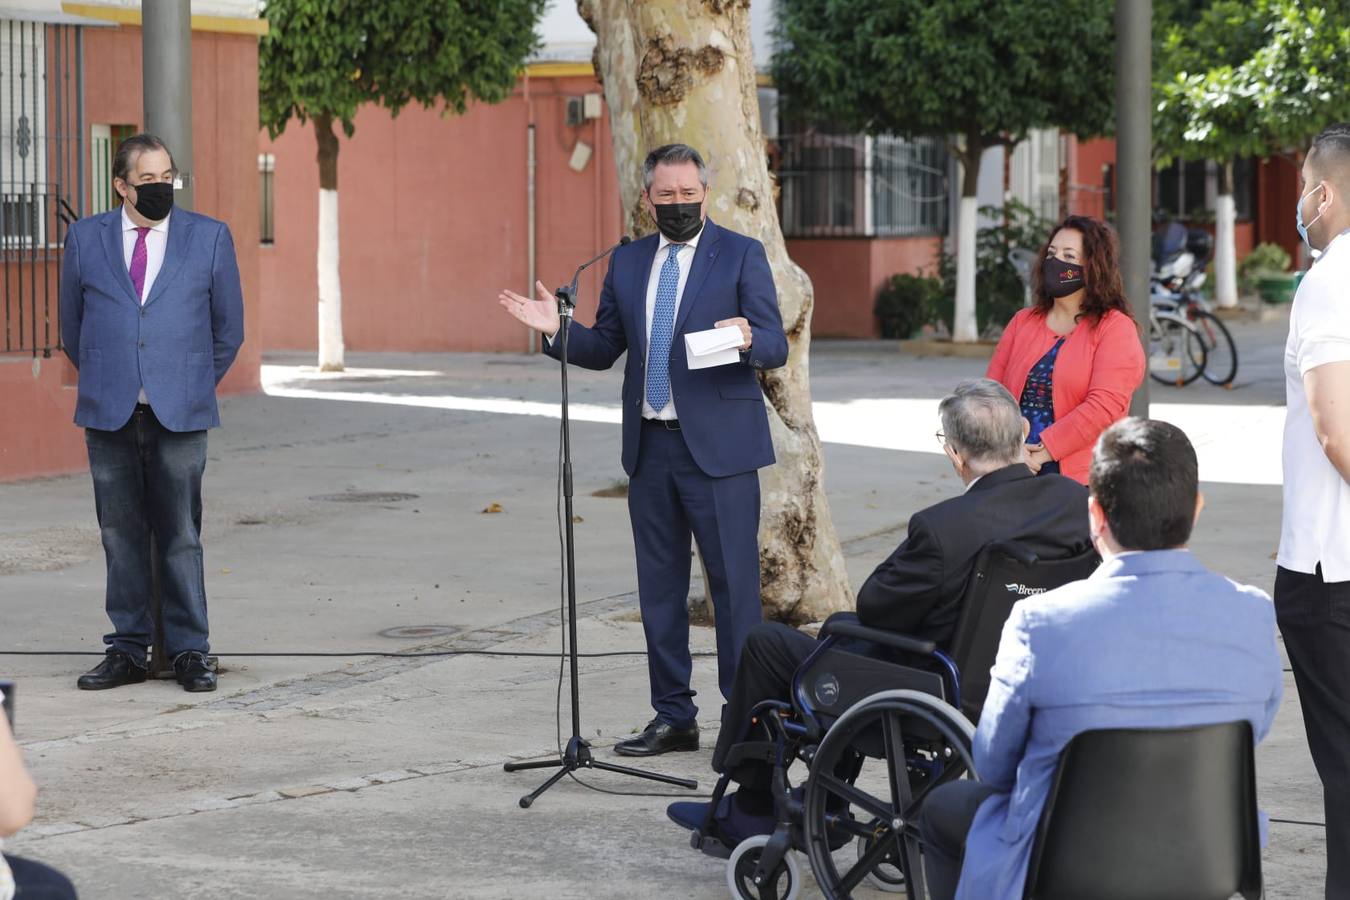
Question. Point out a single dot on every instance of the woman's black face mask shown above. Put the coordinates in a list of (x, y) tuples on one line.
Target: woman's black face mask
[(1059, 278)]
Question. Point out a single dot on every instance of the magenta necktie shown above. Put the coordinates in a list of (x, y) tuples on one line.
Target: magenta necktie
[(138, 258)]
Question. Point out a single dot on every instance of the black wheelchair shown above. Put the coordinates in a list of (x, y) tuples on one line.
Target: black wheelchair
[(877, 735)]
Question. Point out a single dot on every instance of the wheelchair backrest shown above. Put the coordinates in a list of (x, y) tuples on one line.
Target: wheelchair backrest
[(1003, 574), (1168, 812)]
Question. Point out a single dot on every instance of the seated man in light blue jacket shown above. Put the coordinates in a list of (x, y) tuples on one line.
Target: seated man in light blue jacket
[(1151, 640)]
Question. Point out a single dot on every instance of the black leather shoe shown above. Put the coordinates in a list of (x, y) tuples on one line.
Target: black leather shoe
[(191, 671), (116, 670), (657, 738)]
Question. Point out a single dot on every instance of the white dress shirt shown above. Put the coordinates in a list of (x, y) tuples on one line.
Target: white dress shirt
[(685, 260), (156, 241), (1316, 527)]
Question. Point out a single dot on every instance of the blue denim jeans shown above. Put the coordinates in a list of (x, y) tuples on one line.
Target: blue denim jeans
[(148, 480)]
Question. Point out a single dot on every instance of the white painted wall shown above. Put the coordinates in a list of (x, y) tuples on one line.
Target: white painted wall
[(1033, 176)]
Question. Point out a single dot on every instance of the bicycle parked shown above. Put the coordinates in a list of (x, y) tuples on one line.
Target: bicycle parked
[(1179, 259)]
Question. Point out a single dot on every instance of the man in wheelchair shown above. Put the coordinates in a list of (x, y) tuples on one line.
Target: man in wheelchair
[(916, 592), (1151, 640)]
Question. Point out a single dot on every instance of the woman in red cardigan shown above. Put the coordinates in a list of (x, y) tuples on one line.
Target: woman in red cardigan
[(1074, 357)]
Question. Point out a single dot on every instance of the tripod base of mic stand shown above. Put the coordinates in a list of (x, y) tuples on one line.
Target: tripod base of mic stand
[(578, 756)]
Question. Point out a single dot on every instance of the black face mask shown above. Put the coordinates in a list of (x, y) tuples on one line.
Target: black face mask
[(1060, 279), (679, 221), (154, 200)]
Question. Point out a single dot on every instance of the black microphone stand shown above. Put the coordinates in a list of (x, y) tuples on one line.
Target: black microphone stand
[(578, 752)]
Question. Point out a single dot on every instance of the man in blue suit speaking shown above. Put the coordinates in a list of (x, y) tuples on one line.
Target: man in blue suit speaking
[(152, 315), (693, 439)]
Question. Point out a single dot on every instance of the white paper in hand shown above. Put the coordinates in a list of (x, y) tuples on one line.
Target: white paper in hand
[(715, 347)]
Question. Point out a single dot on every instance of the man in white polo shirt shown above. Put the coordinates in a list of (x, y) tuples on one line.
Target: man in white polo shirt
[(1312, 585)]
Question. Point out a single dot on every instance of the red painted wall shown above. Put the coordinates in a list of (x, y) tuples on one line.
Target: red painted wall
[(848, 273), (1277, 191), (432, 220), (37, 403), (1086, 177), (40, 438)]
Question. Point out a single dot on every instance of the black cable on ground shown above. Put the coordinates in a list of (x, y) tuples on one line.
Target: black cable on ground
[(1299, 822), (340, 654)]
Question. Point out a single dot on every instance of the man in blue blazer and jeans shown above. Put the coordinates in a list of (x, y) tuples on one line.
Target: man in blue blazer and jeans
[(693, 439), (152, 315)]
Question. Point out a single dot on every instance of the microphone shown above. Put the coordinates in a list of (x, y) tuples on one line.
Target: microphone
[(623, 242), (567, 296)]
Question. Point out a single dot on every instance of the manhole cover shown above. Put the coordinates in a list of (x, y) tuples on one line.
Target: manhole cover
[(365, 497), (419, 631)]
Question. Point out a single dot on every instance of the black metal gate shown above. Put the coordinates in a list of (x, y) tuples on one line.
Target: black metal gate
[(42, 174)]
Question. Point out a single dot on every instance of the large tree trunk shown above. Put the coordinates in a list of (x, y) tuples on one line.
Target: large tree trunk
[(964, 325), (330, 281), (1225, 239), (683, 71)]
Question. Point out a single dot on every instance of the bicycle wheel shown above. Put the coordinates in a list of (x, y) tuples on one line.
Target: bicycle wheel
[(1221, 352), (1176, 351)]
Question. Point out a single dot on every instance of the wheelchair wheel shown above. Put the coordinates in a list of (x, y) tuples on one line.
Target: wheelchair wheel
[(783, 883), (887, 875), (917, 743)]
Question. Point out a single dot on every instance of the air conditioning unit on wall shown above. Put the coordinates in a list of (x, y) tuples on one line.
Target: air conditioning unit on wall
[(582, 109)]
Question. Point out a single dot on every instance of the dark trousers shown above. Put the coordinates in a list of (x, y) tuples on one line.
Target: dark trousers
[(148, 480), (669, 499), (772, 652), (1314, 617), (35, 881), (944, 821)]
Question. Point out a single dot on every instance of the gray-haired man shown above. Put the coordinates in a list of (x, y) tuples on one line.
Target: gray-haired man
[(917, 590)]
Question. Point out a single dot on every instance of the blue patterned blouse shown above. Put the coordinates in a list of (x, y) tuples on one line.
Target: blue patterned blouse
[(1037, 397)]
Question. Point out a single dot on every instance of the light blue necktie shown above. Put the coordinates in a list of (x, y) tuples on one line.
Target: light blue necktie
[(663, 329)]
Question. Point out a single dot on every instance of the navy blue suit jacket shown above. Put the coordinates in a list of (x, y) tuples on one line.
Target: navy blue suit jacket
[(179, 344), (721, 409)]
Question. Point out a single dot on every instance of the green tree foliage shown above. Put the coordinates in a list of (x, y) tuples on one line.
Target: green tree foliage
[(1249, 78), (988, 72), (984, 72), (322, 59)]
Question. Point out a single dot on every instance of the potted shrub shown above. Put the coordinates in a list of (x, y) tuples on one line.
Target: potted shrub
[(907, 303), (1266, 271)]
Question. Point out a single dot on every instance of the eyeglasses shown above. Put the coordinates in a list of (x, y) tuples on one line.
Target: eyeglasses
[(941, 438)]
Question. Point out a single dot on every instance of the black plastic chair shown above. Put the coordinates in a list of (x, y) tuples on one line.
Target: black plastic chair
[(1148, 814), (1003, 574)]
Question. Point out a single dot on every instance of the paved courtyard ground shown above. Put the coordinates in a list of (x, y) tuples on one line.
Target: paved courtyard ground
[(347, 514)]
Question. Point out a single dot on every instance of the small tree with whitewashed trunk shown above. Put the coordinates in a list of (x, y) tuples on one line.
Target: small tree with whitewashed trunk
[(322, 60), (1246, 78), (683, 71), (985, 73)]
